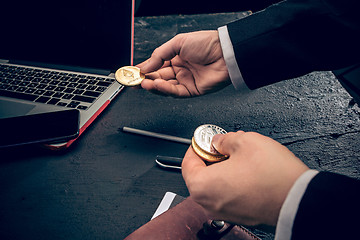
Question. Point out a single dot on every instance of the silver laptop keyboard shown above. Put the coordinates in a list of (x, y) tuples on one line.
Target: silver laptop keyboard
[(51, 87)]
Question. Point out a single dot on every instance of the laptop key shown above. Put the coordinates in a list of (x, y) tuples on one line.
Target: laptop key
[(82, 107), (69, 90), (54, 82), (67, 96), (42, 99), (45, 81), (48, 93), (50, 87), (4, 86), (12, 88), (36, 80), (103, 84), (101, 89), (28, 79), (58, 95), (65, 78), (30, 90), (53, 101), (38, 74), (71, 105), (72, 85), (39, 92), (19, 77), (63, 84), (75, 79), (78, 91), (82, 80), (42, 86), (91, 93), (47, 76), (81, 86), (7, 81), (92, 82), (15, 82), (55, 77), (21, 89), (82, 98), (60, 89), (23, 84), (91, 87), (63, 104), (33, 85)]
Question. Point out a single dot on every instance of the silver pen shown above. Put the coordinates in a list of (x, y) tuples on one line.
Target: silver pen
[(157, 135)]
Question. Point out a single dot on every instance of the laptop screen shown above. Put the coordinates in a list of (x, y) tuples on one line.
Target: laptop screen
[(82, 33)]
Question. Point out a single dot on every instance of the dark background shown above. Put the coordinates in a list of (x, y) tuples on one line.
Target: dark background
[(107, 184), (168, 7)]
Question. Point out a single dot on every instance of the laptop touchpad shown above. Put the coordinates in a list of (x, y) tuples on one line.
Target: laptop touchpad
[(14, 109)]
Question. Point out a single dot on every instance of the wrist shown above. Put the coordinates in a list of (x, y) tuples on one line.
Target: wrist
[(230, 60)]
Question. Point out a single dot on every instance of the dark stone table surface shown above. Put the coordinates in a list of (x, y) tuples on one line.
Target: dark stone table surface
[(107, 184)]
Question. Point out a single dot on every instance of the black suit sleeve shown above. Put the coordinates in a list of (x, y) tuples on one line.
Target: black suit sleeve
[(296, 37), (329, 209)]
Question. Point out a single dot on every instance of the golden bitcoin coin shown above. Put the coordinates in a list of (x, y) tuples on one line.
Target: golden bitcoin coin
[(129, 76)]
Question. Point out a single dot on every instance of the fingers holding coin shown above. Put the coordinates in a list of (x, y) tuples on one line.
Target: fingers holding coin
[(201, 143), (129, 76)]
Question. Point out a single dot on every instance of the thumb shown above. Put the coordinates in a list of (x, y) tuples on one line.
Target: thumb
[(226, 144), (165, 52)]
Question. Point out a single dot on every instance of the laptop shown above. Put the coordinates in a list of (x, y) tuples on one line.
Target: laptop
[(63, 54)]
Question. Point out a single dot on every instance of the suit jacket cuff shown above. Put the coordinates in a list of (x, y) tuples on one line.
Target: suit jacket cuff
[(229, 56), (289, 209)]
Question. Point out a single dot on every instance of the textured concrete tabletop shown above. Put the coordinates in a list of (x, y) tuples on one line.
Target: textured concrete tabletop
[(107, 184)]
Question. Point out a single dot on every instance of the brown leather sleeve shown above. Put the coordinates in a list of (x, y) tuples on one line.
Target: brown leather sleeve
[(187, 220)]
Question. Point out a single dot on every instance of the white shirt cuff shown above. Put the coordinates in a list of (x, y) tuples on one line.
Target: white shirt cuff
[(230, 60), (290, 207)]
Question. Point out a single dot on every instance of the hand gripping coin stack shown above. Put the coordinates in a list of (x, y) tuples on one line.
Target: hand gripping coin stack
[(201, 143)]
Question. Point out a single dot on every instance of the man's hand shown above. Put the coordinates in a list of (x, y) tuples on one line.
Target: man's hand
[(249, 187), (188, 65)]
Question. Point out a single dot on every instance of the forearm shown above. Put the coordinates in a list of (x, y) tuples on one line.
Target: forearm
[(293, 38)]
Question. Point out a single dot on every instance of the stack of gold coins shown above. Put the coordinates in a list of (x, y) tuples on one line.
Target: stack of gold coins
[(201, 143), (129, 76)]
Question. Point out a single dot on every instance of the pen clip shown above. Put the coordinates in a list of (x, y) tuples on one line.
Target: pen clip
[(169, 162)]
